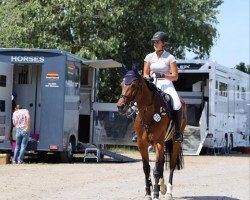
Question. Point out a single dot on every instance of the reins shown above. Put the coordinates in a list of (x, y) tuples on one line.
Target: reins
[(130, 102), (143, 124)]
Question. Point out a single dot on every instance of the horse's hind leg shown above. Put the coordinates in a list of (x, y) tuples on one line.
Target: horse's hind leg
[(176, 149), (163, 187)]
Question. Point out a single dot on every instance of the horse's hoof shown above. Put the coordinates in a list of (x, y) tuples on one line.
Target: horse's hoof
[(148, 197), (163, 189), (168, 197)]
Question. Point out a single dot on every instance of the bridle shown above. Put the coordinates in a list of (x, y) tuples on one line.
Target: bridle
[(130, 101)]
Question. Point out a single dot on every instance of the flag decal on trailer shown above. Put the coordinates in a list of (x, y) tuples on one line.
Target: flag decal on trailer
[(52, 76)]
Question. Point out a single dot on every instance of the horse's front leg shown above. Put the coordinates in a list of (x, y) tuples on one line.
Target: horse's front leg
[(143, 148), (158, 170), (148, 182)]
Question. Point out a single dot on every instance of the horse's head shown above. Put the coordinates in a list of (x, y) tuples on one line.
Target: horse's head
[(130, 87)]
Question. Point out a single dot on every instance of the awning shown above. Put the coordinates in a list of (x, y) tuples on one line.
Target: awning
[(102, 63)]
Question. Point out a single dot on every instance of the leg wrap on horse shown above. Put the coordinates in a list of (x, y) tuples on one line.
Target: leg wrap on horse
[(158, 173), (146, 169), (148, 183)]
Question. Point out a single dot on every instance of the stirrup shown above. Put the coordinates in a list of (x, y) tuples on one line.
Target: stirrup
[(179, 139), (134, 139)]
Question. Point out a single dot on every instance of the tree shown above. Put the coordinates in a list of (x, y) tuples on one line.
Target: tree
[(244, 68), (118, 29)]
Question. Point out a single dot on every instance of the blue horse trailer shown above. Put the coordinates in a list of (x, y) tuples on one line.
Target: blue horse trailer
[(57, 88)]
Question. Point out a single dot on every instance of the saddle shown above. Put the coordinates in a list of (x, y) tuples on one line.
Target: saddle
[(166, 99)]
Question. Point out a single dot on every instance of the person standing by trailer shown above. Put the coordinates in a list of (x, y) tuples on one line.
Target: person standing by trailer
[(21, 120)]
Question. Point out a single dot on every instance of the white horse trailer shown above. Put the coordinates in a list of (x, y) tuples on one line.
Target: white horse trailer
[(218, 105)]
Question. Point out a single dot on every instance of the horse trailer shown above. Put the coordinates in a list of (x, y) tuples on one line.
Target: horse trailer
[(218, 110), (58, 89), (218, 105)]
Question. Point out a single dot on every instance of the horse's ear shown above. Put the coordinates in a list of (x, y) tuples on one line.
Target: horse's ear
[(124, 69), (134, 67)]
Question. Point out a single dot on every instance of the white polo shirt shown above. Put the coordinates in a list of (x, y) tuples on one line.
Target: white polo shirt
[(161, 64)]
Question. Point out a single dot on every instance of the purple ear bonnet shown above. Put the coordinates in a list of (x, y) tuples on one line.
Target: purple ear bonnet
[(130, 76)]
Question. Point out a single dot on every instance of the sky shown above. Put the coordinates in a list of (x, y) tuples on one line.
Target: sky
[(232, 46)]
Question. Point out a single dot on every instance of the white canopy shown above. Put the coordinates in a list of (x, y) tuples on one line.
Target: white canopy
[(101, 64)]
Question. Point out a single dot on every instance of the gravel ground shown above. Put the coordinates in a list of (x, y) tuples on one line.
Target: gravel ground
[(203, 177)]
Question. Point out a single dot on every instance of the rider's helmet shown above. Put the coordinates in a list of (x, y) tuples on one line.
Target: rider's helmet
[(160, 36)]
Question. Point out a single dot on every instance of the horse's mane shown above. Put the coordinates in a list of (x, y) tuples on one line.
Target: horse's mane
[(151, 85)]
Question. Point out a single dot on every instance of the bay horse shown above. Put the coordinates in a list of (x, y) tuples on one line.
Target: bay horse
[(152, 131)]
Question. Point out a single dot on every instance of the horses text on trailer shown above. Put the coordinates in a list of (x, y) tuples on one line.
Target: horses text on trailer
[(217, 100), (58, 89)]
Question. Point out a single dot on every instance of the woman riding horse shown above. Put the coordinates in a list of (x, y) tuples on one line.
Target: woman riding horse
[(162, 65), (151, 123)]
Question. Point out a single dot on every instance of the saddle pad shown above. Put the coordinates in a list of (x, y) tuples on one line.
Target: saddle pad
[(165, 103)]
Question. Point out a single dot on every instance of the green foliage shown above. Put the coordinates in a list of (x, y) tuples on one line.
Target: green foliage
[(117, 29), (244, 68)]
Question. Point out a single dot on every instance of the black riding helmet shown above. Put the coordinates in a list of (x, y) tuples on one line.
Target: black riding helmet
[(160, 36)]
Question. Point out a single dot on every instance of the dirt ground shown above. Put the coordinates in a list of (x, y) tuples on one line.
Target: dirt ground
[(203, 177)]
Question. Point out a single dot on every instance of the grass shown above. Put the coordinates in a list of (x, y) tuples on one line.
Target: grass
[(122, 149)]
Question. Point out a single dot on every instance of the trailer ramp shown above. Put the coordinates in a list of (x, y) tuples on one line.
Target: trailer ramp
[(115, 156), (191, 141)]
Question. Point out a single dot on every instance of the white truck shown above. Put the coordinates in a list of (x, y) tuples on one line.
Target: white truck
[(218, 106)]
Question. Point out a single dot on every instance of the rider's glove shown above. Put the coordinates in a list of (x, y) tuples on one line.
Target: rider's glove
[(149, 79), (159, 75)]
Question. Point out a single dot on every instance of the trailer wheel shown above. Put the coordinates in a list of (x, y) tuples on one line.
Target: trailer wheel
[(231, 146), (227, 144), (67, 156)]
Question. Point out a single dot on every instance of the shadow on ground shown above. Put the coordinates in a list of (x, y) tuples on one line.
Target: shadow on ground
[(205, 198), (55, 159)]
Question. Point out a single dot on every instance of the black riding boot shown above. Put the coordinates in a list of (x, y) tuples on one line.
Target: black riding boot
[(177, 116)]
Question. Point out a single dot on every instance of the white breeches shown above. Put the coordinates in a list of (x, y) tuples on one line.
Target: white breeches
[(168, 87)]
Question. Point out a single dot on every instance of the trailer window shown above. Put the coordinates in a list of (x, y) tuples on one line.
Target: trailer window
[(76, 75), (2, 119), (70, 73), (2, 81), (84, 76), (72, 80), (23, 74), (216, 88), (223, 89), (238, 91), (2, 131), (2, 106), (243, 93)]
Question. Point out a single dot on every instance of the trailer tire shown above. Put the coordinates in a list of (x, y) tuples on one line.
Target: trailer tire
[(67, 156), (229, 143), (231, 146)]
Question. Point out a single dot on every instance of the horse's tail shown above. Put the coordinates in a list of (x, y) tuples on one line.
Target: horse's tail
[(170, 158)]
